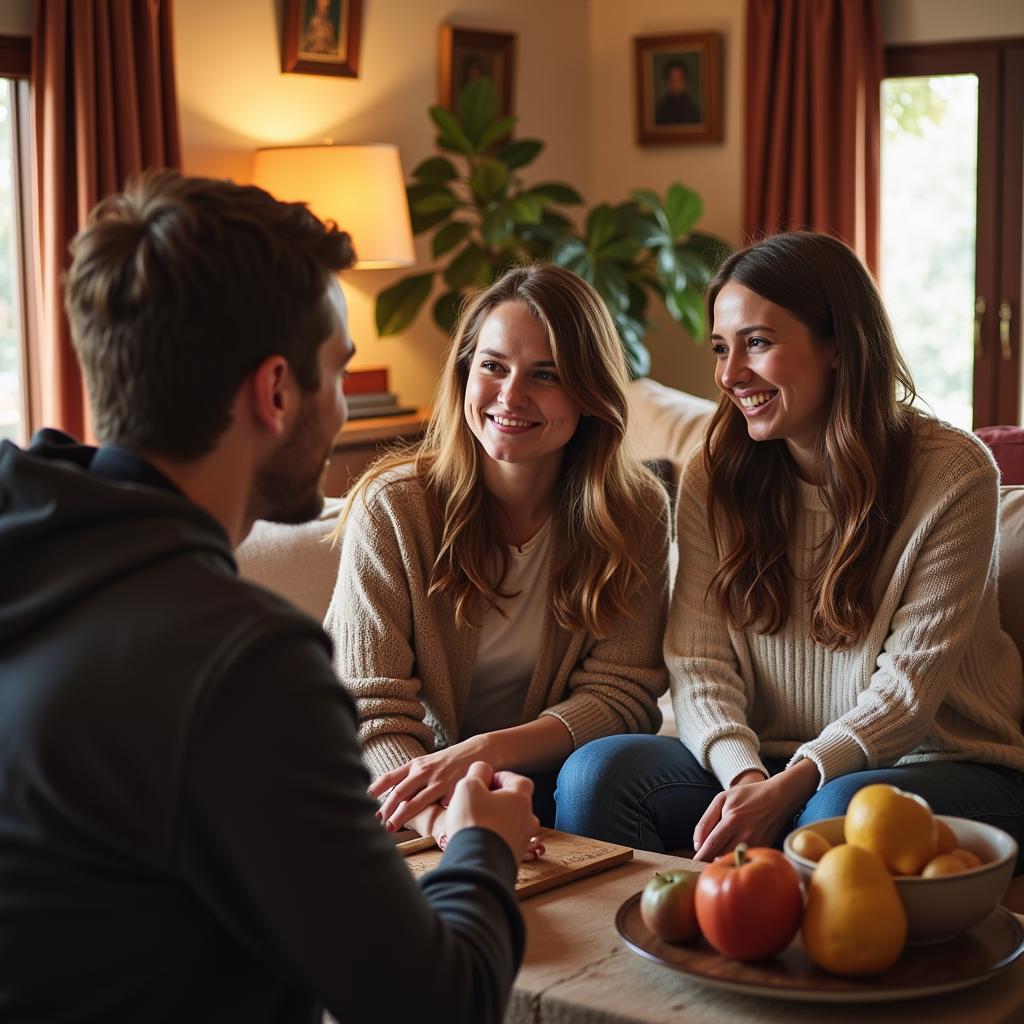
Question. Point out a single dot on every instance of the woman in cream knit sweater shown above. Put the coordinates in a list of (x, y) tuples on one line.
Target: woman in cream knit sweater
[(503, 587), (835, 619)]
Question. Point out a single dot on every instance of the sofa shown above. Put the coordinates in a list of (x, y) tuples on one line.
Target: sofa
[(665, 425)]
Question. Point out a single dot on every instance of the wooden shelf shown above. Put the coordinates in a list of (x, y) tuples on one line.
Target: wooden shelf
[(359, 442)]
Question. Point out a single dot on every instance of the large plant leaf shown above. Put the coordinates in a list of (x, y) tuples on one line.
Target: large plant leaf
[(446, 311), (687, 307), (527, 208), (478, 103), (611, 285), (698, 273), (631, 333), (553, 219), (495, 133), (602, 225), (709, 249), (651, 201), (449, 236), (398, 305), (498, 225), (520, 153), (470, 267), (618, 250), (567, 250), (672, 273), (452, 135), (488, 180), (683, 207), (431, 198), (557, 192), (435, 170)]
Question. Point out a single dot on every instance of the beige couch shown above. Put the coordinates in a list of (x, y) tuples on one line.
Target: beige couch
[(297, 562)]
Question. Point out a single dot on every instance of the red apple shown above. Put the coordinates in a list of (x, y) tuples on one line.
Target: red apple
[(667, 906)]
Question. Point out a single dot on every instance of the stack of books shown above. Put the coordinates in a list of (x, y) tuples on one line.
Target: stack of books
[(367, 394)]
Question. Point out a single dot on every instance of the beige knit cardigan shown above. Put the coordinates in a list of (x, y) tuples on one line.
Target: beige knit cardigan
[(408, 665), (935, 678)]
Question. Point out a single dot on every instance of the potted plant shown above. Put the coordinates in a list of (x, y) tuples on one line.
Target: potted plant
[(485, 218)]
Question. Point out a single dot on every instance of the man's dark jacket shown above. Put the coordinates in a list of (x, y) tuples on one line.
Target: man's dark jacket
[(185, 833)]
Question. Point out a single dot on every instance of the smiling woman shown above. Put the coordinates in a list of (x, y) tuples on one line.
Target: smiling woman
[(834, 621), (503, 585)]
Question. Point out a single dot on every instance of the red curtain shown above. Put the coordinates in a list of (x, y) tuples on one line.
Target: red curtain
[(104, 108), (813, 81)]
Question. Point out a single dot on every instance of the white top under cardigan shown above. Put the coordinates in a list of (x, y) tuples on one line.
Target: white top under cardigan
[(510, 639), (935, 678)]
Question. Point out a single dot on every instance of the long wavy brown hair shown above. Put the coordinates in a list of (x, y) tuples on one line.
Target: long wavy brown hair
[(604, 494), (864, 449)]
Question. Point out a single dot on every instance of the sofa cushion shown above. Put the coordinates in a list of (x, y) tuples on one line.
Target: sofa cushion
[(296, 562), (665, 423), (1007, 444)]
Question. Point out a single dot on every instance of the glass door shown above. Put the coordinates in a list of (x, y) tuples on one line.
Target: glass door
[(951, 224)]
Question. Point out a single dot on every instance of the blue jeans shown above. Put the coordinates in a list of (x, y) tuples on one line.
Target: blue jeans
[(649, 792)]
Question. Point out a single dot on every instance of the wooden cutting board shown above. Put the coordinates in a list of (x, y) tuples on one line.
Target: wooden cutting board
[(566, 858)]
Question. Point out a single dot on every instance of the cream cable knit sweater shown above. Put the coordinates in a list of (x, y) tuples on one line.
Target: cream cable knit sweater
[(936, 677), (408, 665)]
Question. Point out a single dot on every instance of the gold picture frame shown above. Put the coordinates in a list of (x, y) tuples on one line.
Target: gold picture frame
[(321, 37), (679, 88)]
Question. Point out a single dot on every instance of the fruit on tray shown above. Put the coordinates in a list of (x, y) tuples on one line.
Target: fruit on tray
[(898, 827), (810, 844), (667, 905), (854, 923), (749, 903)]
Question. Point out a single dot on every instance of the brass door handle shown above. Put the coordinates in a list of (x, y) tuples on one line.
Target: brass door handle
[(1005, 316), (979, 316)]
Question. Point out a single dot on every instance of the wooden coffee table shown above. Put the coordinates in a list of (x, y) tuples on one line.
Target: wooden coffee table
[(577, 971)]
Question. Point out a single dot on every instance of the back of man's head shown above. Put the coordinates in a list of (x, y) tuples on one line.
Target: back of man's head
[(179, 288)]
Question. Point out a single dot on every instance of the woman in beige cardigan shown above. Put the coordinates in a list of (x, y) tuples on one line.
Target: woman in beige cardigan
[(502, 589)]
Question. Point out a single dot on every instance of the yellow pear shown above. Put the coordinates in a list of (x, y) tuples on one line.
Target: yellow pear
[(898, 826), (854, 923)]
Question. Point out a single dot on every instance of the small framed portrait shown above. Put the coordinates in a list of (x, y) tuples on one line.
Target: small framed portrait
[(468, 53), (321, 37), (679, 88)]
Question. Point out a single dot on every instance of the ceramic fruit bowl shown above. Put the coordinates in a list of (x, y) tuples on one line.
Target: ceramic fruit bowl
[(939, 908)]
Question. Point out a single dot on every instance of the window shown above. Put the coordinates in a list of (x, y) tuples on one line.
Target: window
[(952, 184), (13, 420), (15, 55)]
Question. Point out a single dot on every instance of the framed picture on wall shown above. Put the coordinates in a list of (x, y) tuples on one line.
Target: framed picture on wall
[(679, 88), (468, 53), (321, 37)]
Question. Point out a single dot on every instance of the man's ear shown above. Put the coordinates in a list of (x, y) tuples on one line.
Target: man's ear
[(272, 388)]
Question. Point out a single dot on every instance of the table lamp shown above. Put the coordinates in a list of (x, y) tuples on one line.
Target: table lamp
[(360, 188)]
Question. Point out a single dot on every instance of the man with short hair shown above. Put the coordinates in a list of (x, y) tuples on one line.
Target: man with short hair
[(185, 832)]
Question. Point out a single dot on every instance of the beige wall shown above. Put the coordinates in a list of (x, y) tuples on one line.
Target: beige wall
[(15, 17), (619, 164), (234, 99), (932, 21)]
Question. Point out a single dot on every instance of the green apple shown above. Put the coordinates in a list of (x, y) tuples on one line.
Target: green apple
[(667, 906)]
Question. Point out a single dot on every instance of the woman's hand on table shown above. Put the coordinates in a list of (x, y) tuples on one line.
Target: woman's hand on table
[(753, 810), (429, 779)]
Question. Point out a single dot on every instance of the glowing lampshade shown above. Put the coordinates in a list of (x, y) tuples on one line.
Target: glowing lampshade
[(360, 188)]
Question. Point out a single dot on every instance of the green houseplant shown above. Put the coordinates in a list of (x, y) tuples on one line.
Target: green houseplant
[(485, 219)]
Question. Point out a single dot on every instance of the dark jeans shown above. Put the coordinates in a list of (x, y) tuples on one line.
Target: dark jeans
[(649, 792)]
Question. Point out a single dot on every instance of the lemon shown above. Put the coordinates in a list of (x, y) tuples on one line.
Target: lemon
[(854, 923), (899, 827)]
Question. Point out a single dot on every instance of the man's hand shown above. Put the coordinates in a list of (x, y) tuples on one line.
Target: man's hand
[(753, 810), (499, 801), (423, 781)]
